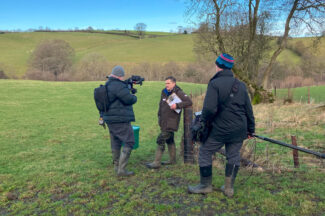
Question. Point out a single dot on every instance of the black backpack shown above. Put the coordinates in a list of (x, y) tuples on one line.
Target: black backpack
[(101, 98)]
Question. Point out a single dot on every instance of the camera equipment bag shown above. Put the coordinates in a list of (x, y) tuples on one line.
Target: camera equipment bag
[(101, 98)]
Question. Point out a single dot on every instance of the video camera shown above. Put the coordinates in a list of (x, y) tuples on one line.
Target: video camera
[(132, 81)]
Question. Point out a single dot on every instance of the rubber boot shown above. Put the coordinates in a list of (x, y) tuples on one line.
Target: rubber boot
[(157, 162), (116, 157), (126, 152), (230, 177), (205, 185), (172, 155)]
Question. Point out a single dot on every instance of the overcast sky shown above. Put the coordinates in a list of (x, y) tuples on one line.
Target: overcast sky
[(158, 15)]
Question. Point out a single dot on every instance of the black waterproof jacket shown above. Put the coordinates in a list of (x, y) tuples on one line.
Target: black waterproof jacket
[(121, 101), (168, 119), (232, 122)]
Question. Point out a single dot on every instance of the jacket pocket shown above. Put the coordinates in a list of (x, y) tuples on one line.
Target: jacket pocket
[(172, 124)]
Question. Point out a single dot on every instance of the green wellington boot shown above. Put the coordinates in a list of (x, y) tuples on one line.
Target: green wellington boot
[(205, 185), (125, 155), (116, 157)]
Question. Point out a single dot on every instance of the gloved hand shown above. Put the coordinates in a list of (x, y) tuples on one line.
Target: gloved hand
[(101, 122), (133, 91)]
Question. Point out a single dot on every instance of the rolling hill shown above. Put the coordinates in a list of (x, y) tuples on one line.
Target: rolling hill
[(157, 47)]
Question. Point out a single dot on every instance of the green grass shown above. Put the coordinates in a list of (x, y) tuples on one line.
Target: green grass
[(16, 48), (56, 160), (317, 94)]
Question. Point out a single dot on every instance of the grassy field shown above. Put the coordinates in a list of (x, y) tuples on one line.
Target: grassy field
[(56, 160), (317, 94), (17, 47)]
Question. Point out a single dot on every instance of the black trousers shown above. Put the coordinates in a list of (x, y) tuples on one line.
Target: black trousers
[(121, 132), (211, 146)]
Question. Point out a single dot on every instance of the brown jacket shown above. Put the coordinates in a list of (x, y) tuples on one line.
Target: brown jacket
[(168, 119)]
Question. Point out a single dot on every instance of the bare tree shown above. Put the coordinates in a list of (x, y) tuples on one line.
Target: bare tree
[(236, 28), (243, 29), (93, 66), (308, 14), (53, 57), (140, 28)]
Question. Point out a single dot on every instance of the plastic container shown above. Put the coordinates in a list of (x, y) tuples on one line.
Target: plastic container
[(136, 131)]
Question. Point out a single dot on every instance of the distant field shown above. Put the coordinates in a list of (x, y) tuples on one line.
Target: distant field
[(17, 47), (317, 94)]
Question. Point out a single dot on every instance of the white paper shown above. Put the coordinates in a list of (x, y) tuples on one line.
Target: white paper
[(174, 99)]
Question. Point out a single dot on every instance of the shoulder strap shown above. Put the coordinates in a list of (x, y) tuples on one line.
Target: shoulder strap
[(232, 93)]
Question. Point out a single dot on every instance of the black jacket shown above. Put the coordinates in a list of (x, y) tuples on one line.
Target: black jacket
[(121, 101), (168, 119), (230, 123)]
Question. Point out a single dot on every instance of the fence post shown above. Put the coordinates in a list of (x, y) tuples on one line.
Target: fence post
[(295, 152), (188, 143)]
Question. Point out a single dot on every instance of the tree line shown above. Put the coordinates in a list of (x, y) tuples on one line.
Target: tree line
[(53, 60)]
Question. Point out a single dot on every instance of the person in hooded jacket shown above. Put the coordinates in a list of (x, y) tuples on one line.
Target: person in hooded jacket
[(168, 120), (118, 119), (227, 112)]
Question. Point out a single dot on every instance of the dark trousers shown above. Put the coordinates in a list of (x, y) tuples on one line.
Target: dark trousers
[(211, 146), (165, 137), (121, 132)]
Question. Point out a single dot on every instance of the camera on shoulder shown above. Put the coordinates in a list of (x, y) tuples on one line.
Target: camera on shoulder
[(134, 80)]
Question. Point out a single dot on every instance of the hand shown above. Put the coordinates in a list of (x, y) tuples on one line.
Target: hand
[(101, 122), (173, 107), (133, 91), (250, 135)]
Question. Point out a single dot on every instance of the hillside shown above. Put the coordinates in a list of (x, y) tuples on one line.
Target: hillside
[(56, 160), (17, 47), (118, 49)]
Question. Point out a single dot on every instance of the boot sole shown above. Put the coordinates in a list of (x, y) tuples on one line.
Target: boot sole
[(167, 163), (192, 192), (150, 167), (125, 175)]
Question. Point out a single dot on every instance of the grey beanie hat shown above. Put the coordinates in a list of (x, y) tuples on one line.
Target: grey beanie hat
[(118, 71)]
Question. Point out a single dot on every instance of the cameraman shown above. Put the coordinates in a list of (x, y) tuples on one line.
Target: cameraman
[(118, 118), (228, 115), (168, 120)]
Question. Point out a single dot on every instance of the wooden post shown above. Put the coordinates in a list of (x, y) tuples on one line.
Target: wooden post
[(308, 95), (188, 143), (295, 152)]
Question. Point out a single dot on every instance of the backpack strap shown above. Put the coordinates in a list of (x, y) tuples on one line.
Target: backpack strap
[(233, 91)]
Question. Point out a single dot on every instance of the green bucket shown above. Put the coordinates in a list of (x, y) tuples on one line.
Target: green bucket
[(136, 130)]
